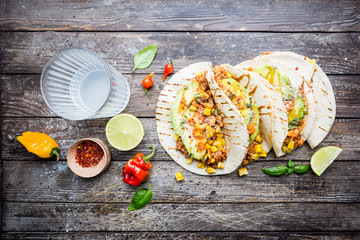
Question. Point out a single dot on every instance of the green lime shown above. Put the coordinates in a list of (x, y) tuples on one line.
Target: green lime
[(323, 157), (124, 131)]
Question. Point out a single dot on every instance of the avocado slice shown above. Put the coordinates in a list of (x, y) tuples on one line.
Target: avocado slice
[(190, 142), (297, 113), (234, 89), (280, 82), (182, 101), (256, 119)]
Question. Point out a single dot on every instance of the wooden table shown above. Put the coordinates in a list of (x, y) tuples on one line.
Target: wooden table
[(43, 199)]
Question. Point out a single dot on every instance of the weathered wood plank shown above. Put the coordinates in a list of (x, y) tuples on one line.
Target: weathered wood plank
[(54, 182), (260, 15), (343, 134), (21, 96), (181, 235), (27, 52), (182, 217)]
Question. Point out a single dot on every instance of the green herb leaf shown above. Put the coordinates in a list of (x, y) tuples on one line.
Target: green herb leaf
[(301, 169), (140, 199), (291, 164), (294, 123), (144, 58), (290, 170), (276, 171)]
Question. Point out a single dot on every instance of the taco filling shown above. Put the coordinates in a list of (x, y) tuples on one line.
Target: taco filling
[(294, 102), (239, 96), (198, 125)]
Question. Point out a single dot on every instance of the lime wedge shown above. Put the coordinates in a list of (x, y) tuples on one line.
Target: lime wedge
[(124, 131), (323, 157)]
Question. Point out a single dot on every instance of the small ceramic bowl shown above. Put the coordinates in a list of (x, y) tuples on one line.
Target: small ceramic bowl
[(88, 172)]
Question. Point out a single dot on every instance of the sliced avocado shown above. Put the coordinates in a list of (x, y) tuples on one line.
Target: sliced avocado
[(256, 119), (297, 113), (182, 101), (235, 89), (279, 81), (190, 142)]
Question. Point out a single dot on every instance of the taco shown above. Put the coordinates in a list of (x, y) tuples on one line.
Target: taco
[(296, 95), (258, 104), (197, 126), (321, 87)]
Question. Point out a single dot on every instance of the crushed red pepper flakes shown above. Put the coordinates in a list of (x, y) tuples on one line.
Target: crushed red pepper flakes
[(88, 154)]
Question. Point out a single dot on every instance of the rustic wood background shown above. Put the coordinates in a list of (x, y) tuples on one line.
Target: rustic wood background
[(43, 199)]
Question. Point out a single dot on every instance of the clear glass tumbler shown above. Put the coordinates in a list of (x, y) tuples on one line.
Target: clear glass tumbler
[(78, 84)]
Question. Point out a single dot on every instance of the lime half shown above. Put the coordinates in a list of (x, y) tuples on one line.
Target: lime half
[(323, 157), (124, 131)]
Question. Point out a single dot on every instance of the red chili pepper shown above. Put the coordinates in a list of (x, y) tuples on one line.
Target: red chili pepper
[(137, 169), (147, 83), (169, 68)]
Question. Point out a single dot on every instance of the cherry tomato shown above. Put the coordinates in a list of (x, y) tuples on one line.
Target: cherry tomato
[(147, 83), (251, 128)]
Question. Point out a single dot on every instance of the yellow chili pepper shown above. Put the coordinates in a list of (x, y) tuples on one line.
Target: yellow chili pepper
[(40, 144)]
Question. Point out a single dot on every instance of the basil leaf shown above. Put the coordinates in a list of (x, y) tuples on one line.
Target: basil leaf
[(291, 164), (144, 58), (276, 171), (140, 199), (301, 169), (290, 170)]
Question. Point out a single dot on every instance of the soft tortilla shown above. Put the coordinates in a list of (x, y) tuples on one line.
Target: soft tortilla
[(296, 81), (234, 128), (321, 87)]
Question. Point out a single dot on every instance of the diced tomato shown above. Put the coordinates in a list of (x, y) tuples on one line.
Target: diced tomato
[(289, 105), (201, 146), (251, 128)]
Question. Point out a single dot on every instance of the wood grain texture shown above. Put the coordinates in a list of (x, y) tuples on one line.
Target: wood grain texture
[(54, 182), (343, 134), (21, 96), (191, 15), (181, 235), (27, 52), (181, 217)]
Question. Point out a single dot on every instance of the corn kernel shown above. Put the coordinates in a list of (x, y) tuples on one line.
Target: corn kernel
[(218, 129), (288, 151), (189, 160), (197, 134), (291, 145), (212, 160), (210, 170), (312, 62), (217, 143), (221, 165), (258, 138), (193, 108), (213, 149), (284, 148), (263, 153), (243, 171), (204, 95), (255, 156), (179, 177), (207, 111), (211, 142), (228, 74), (301, 133), (258, 148), (200, 165), (176, 137), (243, 113), (200, 74)]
